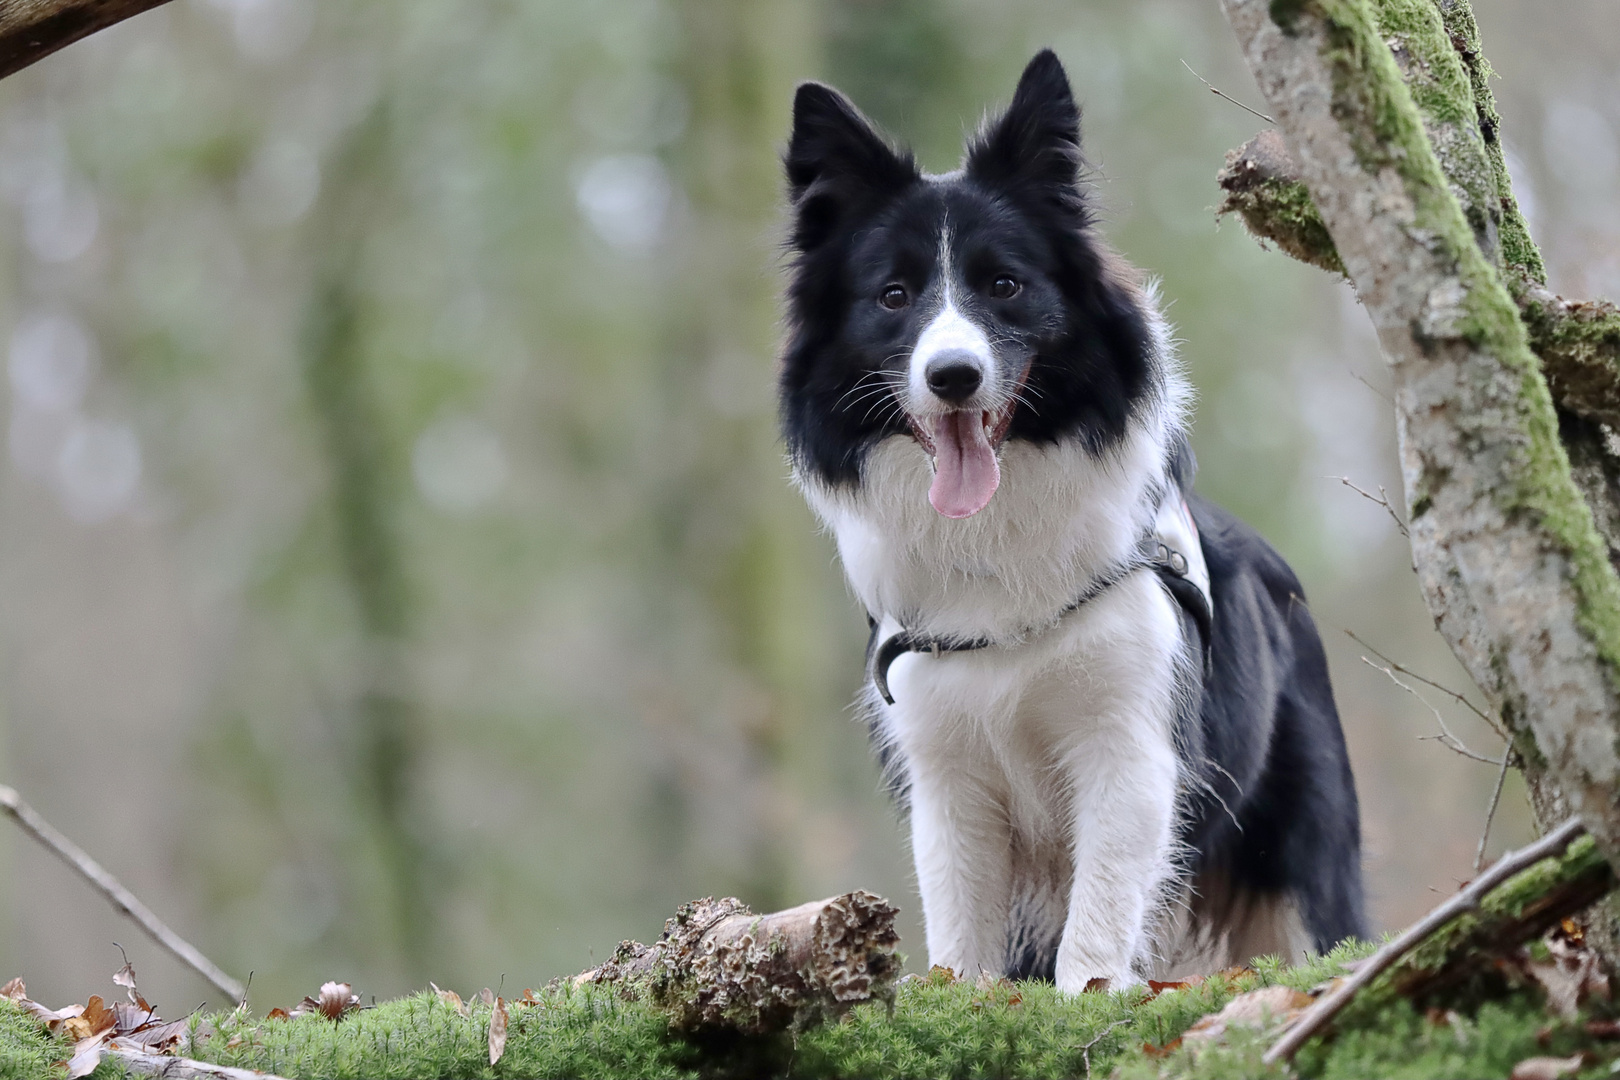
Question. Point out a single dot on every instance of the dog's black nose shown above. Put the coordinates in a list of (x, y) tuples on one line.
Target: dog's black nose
[(953, 376)]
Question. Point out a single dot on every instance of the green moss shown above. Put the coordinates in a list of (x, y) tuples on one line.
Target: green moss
[(935, 1028), (26, 1052), (1282, 211), (1519, 251)]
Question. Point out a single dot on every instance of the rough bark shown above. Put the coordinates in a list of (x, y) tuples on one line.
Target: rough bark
[(720, 967), (141, 1063), (31, 30), (1512, 567)]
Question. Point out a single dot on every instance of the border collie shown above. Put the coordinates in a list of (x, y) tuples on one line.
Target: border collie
[(1100, 699)]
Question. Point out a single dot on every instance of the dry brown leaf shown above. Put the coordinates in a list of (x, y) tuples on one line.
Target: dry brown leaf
[(99, 1016), (487, 996), (154, 1038), (1096, 986), (497, 1031), (91, 1020), (450, 998), (52, 1019), (1257, 1008), (87, 1053), (1161, 1051), (1547, 1068), (1155, 988), (132, 1018), (1571, 976), (125, 977), (14, 990), (278, 1013)]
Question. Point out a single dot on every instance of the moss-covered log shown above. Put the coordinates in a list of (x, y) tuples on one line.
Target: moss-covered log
[(720, 967)]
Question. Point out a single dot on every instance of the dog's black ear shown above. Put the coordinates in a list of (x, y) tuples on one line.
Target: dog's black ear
[(837, 164), (1036, 142)]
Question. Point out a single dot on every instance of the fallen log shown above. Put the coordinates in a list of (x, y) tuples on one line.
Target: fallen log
[(720, 967)]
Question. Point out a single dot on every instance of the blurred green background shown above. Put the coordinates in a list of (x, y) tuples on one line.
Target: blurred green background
[(398, 574)]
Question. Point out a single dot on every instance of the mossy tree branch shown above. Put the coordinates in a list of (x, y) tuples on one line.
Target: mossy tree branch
[(1578, 341), (1512, 567)]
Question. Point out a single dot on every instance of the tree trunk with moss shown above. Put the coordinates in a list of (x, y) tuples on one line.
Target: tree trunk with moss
[(1393, 172)]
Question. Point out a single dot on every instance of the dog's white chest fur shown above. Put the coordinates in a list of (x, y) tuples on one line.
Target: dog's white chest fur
[(1042, 771)]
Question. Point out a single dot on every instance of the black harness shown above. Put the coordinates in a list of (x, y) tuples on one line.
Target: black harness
[(1152, 553)]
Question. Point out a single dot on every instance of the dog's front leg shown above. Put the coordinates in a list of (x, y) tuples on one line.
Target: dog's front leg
[(963, 849), (1123, 778)]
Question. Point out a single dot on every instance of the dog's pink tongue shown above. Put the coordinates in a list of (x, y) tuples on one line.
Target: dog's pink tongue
[(965, 469)]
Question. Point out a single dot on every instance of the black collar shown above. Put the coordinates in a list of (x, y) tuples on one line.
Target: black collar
[(1151, 553)]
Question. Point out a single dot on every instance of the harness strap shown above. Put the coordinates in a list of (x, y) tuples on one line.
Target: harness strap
[(1185, 578)]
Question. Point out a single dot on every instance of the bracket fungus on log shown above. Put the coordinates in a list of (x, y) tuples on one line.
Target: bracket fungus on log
[(720, 967)]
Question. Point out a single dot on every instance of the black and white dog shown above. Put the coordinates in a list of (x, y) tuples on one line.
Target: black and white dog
[(1102, 699)]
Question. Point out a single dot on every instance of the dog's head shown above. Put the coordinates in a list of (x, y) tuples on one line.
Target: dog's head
[(963, 309)]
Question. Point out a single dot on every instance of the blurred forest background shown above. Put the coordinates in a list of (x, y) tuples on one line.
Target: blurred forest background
[(398, 575)]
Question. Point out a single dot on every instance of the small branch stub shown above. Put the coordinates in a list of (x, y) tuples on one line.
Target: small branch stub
[(719, 966)]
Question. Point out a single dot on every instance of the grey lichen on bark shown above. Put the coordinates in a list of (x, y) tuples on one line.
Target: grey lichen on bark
[(1512, 567)]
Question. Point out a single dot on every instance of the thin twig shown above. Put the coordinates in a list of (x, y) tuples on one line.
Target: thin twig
[(1461, 699), (1382, 499), (1228, 97), (1085, 1051), (1327, 1006), (43, 831), (1362, 379), (1445, 738), (1490, 815)]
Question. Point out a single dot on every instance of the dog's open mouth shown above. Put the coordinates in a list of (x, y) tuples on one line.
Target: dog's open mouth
[(963, 445)]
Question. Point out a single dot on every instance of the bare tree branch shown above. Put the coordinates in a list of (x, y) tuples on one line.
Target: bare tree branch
[(1381, 499), (1490, 813), (1218, 92), (121, 898), (1328, 1006), (1461, 699), (1446, 738), (31, 30)]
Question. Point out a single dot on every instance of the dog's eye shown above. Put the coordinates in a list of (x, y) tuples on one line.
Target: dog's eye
[(1004, 288), (893, 297)]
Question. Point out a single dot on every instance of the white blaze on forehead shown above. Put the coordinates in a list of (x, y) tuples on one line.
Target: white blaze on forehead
[(948, 331)]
